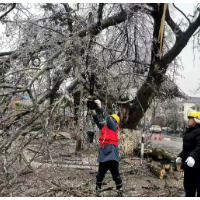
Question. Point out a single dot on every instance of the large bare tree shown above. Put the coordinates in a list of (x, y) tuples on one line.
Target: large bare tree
[(48, 53), (119, 43)]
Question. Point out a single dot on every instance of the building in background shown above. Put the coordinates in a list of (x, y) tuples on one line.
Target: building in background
[(191, 103)]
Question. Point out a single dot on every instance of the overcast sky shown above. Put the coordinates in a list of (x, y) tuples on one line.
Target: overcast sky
[(191, 72)]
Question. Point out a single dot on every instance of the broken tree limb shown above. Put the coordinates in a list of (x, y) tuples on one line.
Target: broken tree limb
[(179, 167), (157, 154), (166, 167), (160, 154), (156, 170), (171, 173)]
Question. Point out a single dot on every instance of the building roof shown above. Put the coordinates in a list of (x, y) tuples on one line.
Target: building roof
[(192, 100)]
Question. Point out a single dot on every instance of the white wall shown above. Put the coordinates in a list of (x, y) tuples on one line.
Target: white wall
[(187, 107)]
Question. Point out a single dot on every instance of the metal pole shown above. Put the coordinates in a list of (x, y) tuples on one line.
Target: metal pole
[(142, 140), (142, 146)]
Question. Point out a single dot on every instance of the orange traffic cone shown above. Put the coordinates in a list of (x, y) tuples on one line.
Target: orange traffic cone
[(160, 137), (155, 138)]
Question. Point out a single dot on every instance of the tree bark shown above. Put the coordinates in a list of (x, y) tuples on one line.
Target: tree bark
[(154, 80), (13, 6), (160, 154), (78, 145), (157, 154), (156, 170)]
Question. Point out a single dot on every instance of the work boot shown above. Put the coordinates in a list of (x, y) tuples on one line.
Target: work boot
[(98, 191), (120, 192)]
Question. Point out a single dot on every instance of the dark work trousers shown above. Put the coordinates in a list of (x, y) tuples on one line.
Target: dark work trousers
[(113, 167), (192, 183)]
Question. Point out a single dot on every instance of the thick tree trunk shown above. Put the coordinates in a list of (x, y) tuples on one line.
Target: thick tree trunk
[(77, 101), (158, 67), (155, 78)]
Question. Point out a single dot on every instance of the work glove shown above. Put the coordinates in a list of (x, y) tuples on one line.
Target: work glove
[(190, 161), (179, 160), (98, 103)]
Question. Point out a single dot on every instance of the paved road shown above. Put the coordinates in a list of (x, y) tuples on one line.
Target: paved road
[(168, 140)]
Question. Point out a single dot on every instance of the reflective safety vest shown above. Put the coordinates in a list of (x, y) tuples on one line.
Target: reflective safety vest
[(108, 136)]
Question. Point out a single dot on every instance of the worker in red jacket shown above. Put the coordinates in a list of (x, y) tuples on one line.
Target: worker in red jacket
[(108, 158)]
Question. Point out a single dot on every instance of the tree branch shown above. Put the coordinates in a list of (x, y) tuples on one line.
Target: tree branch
[(13, 92), (126, 60), (180, 43), (182, 13), (38, 74), (13, 6), (45, 27), (175, 28), (31, 68), (94, 29), (6, 53), (68, 10), (100, 14), (12, 86)]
